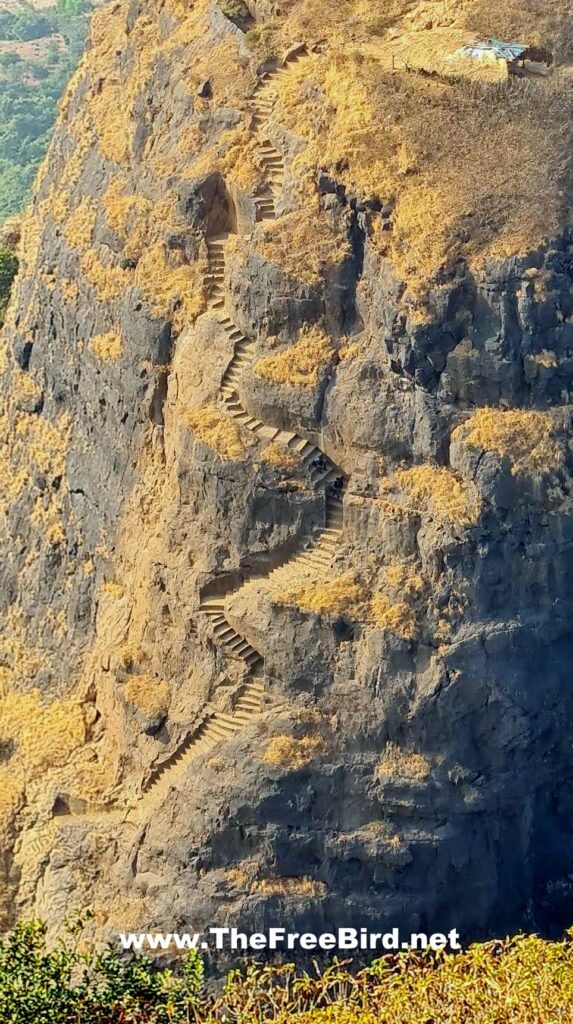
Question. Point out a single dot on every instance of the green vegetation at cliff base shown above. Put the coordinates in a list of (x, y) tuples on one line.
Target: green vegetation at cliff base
[(525, 980)]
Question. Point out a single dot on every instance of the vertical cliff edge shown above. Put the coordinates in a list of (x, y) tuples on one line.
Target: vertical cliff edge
[(285, 477)]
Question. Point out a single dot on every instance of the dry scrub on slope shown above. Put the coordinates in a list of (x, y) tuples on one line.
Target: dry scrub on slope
[(302, 364), (435, 491), (219, 432), (476, 170), (523, 437)]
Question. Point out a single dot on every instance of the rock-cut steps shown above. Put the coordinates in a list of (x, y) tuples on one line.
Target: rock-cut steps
[(274, 170), (214, 280), (320, 469), (315, 558), (262, 103), (233, 644), (317, 554), (214, 730), (312, 564)]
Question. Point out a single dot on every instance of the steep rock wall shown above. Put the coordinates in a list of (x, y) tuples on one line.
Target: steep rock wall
[(286, 556)]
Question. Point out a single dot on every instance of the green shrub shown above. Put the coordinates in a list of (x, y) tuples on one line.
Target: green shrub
[(64, 986), (8, 271), (525, 980)]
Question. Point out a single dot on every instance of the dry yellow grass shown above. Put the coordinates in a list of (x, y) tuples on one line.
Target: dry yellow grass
[(399, 763), (523, 437), (344, 595), (24, 387), (396, 605), (45, 735), (403, 578), (304, 243), (110, 117), (106, 347), (281, 458), (79, 227), (439, 492), (42, 441), (11, 799), (110, 282), (129, 215), (293, 754), (239, 878), (148, 695), (302, 364), (113, 590), (546, 358), (289, 887), (396, 616), (219, 432), (173, 289), (69, 289)]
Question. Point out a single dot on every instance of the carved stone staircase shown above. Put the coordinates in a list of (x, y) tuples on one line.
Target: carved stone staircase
[(321, 470), (214, 730), (262, 104), (215, 277), (317, 551), (316, 556)]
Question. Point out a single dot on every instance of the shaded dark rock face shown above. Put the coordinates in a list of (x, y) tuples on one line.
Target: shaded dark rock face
[(468, 823)]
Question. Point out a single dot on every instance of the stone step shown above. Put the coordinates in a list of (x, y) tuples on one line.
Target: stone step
[(232, 639), (267, 433), (226, 719), (319, 560), (228, 637), (242, 718), (248, 703), (252, 691), (220, 732)]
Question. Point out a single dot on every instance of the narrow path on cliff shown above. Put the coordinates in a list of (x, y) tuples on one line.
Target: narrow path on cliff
[(310, 562), (316, 551)]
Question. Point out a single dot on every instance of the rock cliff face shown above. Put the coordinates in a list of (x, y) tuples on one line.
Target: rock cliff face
[(286, 502)]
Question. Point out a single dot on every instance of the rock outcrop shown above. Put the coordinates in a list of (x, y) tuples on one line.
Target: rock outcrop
[(285, 566)]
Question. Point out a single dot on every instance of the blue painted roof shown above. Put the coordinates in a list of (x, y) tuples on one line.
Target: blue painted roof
[(503, 51)]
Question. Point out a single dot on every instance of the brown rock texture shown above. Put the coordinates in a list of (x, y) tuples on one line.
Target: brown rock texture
[(285, 483)]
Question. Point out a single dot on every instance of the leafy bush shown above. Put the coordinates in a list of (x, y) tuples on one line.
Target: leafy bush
[(8, 270), (64, 986), (524, 980)]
